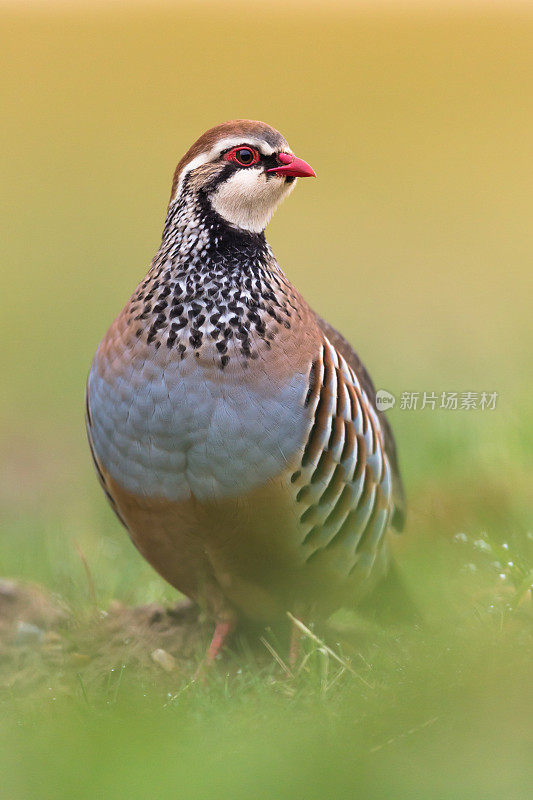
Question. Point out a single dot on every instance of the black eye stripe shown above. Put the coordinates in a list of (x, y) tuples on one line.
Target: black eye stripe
[(271, 161)]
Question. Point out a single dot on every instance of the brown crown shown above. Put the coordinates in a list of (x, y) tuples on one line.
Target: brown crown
[(234, 127)]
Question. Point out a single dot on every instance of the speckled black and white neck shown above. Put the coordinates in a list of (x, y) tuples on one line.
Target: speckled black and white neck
[(213, 289)]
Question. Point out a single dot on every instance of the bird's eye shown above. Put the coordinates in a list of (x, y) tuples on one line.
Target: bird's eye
[(243, 156)]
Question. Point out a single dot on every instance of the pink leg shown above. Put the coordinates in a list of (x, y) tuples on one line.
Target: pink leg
[(222, 630)]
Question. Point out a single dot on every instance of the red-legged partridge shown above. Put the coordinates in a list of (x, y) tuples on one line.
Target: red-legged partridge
[(235, 432)]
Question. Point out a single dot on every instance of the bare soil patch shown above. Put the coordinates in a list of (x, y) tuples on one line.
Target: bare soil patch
[(42, 640)]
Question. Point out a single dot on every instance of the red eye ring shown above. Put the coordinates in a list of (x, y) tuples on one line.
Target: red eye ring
[(244, 156)]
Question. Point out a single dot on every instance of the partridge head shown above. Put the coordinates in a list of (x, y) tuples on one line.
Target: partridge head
[(242, 170)]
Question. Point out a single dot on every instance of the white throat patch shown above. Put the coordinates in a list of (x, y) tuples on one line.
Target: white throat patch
[(248, 198)]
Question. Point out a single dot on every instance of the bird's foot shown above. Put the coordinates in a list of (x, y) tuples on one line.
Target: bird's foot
[(223, 629)]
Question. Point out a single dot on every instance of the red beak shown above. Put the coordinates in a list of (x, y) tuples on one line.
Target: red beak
[(294, 167)]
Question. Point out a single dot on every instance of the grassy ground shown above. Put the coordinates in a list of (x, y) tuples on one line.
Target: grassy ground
[(416, 242)]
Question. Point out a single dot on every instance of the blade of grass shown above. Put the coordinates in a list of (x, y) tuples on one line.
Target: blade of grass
[(322, 644), (276, 657)]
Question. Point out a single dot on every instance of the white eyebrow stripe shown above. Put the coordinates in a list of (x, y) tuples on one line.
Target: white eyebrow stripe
[(221, 145)]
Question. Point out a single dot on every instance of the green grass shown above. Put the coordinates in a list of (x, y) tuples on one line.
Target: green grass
[(437, 710), (415, 241)]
